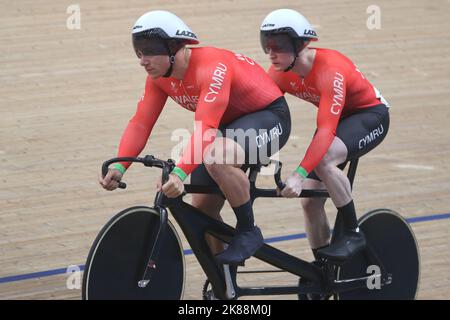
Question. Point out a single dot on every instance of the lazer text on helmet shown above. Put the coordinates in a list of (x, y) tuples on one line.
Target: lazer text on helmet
[(186, 33)]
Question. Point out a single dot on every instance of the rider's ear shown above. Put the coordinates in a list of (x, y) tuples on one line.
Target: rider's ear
[(175, 45)]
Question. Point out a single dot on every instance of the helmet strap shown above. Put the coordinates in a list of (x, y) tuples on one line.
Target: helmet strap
[(295, 52), (291, 65), (171, 60), (169, 71)]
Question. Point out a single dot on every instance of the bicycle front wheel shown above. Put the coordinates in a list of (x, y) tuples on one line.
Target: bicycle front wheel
[(391, 246), (119, 256)]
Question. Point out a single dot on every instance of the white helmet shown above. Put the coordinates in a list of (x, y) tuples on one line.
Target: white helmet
[(284, 31), (165, 25), (161, 33), (287, 21)]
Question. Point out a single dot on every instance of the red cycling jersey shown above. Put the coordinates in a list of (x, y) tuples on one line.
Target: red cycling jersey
[(219, 86), (337, 88)]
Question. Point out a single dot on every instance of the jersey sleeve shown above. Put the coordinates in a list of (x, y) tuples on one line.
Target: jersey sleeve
[(332, 86), (141, 124), (215, 83)]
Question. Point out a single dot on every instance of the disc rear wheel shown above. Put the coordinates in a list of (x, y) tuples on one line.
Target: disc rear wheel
[(392, 249)]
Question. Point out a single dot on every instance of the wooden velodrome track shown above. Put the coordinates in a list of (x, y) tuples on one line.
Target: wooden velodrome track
[(66, 96)]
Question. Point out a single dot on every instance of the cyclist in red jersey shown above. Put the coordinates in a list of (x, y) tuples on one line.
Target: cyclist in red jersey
[(352, 119), (228, 93)]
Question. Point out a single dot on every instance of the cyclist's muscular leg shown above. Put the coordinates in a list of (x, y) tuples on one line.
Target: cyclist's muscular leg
[(336, 181), (316, 222), (223, 161), (211, 205), (339, 188)]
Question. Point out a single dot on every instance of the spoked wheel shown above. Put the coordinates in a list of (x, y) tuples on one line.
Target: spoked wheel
[(119, 256), (391, 247)]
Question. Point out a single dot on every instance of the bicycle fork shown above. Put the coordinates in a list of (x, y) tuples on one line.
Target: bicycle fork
[(151, 265)]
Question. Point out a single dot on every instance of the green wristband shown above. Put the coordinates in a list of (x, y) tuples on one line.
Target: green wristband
[(301, 172), (180, 173), (119, 167)]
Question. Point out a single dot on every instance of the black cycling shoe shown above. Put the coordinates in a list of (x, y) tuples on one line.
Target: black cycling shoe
[(243, 245), (349, 243)]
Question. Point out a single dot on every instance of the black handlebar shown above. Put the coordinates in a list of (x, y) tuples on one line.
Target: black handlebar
[(169, 165), (277, 176), (148, 161)]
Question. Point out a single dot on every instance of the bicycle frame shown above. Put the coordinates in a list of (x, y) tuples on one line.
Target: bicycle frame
[(195, 225)]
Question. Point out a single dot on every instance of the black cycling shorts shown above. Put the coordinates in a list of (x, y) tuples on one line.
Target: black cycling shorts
[(261, 134), (361, 132)]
